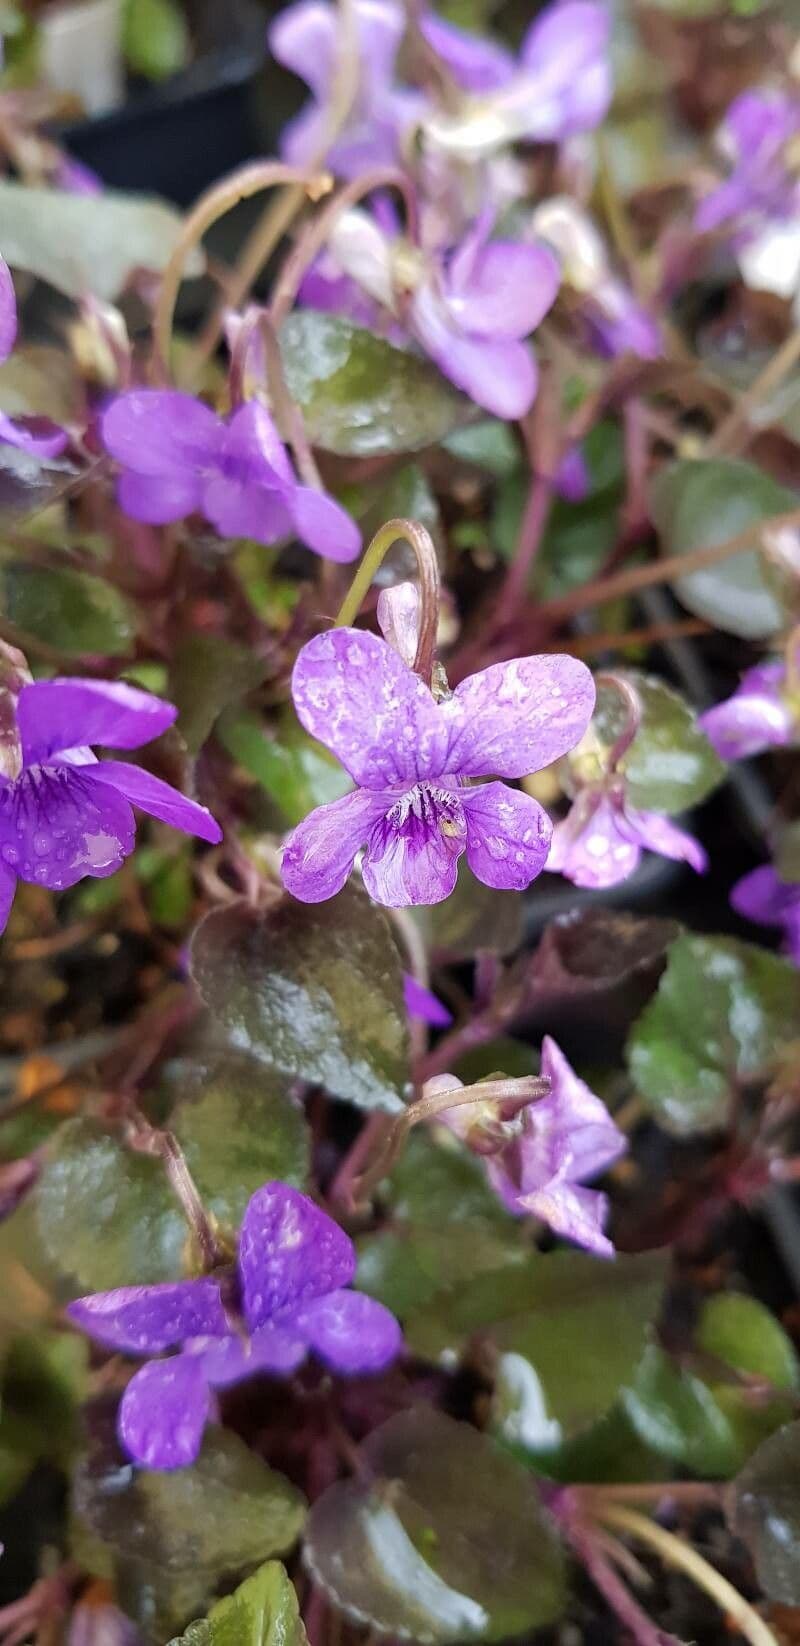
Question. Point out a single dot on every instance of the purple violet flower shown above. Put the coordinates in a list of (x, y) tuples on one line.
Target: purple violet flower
[(287, 1300), (763, 188), (411, 756), (64, 814), (37, 436), (763, 897), (572, 479), (759, 715), (424, 1004), (616, 323), (600, 841), (469, 310), (538, 1161), (179, 458)]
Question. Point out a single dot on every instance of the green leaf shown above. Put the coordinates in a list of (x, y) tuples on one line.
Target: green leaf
[(263, 1611), (722, 1013), (359, 396), (695, 504), (766, 1514), (489, 445), (670, 764), (316, 990), (87, 244), (744, 1335), (445, 1541), (69, 609), (676, 1414), (208, 674), (43, 1384), (436, 1183), (238, 1128), (543, 1313), (296, 772), (155, 38), (173, 1535), (105, 1215)]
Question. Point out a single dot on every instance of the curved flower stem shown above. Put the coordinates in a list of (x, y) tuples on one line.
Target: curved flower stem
[(633, 704), (734, 431), (421, 542), (313, 239), (674, 1551), (534, 520), (525, 1090), (240, 185), (185, 1189)]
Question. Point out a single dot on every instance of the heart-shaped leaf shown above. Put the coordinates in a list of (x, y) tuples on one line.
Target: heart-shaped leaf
[(263, 1611), (87, 243), (445, 1541), (316, 990), (766, 1514)]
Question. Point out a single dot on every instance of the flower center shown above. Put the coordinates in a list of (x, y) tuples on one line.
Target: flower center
[(427, 810)]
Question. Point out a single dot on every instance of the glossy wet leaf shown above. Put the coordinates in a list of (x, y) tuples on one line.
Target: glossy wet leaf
[(474, 918), (296, 772), (670, 764), (238, 1128), (155, 38), (765, 1514), (208, 673), (593, 949), (359, 396), (447, 1540), (722, 1012), (742, 1333), (675, 1413), (316, 990), (263, 1611), (74, 611), (105, 1214), (174, 1535), (544, 1313), (697, 503), (87, 243)]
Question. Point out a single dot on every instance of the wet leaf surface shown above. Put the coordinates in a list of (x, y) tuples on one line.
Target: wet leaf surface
[(765, 1514), (670, 764)]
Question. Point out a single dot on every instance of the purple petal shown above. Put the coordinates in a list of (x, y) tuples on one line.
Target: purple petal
[(756, 717), (578, 1115), (161, 432), (229, 1360), (566, 52), (507, 291), (163, 1413), (319, 854), (8, 312), (289, 1252), (56, 826), (412, 853), (659, 834), (572, 479), (476, 64), (508, 836), (303, 39), (323, 525), (156, 500), (513, 718), (239, 510), (422, 1003), (500, 376), (762, 896), (575, 1213), (588, 847), (350, 1331), (252, 448), (619, 324), (49, 441), (61, 714), (8, 886), (354, 694), (151, 794), (146, 1319)]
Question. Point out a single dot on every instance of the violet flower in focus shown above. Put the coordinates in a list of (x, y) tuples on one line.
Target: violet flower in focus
[(411, 756), (179, 458), (763, 897), (64, 814), (760, 714), (37, 436), (288, 1299), (600, 841), (538, 1161)]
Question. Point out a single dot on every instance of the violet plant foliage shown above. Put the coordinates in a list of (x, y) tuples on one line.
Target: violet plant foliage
[(287, 1299)]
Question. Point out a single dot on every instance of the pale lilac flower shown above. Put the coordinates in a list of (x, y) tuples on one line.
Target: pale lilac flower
[(286, 1300), (74, 177), (600, 841), (179, 458), (411, 756), (424, 1004), (615, 321), (763, 897), (759, 715), (756, 137), (398, 614), (538, 1161), (37, 436), (469, 309), (64, 814)]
